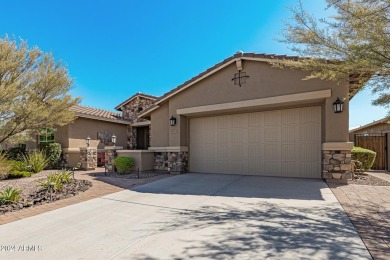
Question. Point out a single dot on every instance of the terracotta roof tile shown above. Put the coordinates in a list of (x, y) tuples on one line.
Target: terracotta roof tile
[(97, 113)]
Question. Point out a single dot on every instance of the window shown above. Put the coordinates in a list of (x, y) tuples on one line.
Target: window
[(46, 135)]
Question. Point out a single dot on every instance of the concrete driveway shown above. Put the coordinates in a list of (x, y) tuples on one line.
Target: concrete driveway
[(194, 216)]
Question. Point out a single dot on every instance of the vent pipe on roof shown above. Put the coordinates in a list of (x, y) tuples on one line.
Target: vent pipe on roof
[(240, 53)]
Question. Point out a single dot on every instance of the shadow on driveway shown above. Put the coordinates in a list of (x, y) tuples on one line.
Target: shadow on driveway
[(259, 231), (238, 186)]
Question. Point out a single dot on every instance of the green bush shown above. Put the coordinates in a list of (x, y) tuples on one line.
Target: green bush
[(37, 161), (365, 156), (18, 174), (9, 195), (5, 167), (58, 179), (18, 166), (123, 164), (19, 169), (52, 151), (16, 153), (65, 176), (53, 178)]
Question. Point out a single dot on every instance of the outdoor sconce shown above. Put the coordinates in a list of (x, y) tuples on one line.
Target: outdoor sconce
[(113, 139), (172, 121), (338, 106), (88, 140)]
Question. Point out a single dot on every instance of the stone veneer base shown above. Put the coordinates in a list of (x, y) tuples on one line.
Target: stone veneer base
[(173, 162), (336, 165)]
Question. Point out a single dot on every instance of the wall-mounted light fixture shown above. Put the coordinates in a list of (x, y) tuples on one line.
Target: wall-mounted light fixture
[(338, 106), (113, 139), (88, 141), (172, 121)]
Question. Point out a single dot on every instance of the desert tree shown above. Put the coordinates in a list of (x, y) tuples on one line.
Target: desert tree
[(354, 43), (34, 91)]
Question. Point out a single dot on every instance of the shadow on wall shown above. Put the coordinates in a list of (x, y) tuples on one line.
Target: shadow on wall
[(227, 185), (268, 231)]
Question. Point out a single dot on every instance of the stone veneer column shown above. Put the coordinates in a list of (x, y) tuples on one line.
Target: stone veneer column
[(171, 161), (336, 161), (110, 155), (88, 158)]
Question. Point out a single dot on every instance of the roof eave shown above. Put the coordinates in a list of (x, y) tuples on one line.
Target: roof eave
[(117, 121)]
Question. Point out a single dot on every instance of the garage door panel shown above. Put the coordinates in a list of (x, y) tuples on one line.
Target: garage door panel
[(310, 115), (289, 133), (273, 143), (309, 133), (271, 134), (271, 118), (288, 152)]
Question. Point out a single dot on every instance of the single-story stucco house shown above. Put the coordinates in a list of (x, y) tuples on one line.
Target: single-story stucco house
[(98, 124), (245, 116)]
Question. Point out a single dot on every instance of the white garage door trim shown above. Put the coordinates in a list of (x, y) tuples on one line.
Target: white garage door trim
[(272, 143)]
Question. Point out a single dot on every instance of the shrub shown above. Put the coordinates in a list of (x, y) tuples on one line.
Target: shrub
[(9, 195), (123, 164), (65, 176), (53, 178), (5, 167), (36, 160), (365, 156), (18, 174), (16, 153), (18, 166), (58, 179), (52, 151)]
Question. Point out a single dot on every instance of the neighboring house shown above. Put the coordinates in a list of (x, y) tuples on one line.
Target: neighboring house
[(374, 136), (377, 127), (244, 116), (95, 123)]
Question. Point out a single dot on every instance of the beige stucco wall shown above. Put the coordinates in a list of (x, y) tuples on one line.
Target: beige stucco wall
[(61, 135), (264, 81), (73, 159), (160, 126), (143, 159), (84, 127)]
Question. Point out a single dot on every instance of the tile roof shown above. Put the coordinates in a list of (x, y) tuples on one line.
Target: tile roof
[(353, 85), (139, 94), (98, 114)]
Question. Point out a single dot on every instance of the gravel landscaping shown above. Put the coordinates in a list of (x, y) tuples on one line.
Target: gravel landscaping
[(33, 194), (369, 180)]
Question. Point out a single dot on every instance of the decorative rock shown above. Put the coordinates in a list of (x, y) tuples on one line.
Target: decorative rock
[(347, 175), (345, 167), (337, 175), (336, 165), (334, 162), (339, 156)]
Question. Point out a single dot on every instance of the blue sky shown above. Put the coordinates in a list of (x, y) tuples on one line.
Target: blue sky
[(118, 47)]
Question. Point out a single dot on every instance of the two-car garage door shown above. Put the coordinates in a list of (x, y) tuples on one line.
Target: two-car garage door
[(272, 143)]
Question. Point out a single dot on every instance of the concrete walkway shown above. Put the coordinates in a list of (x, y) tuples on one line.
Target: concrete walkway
[(194, 216)]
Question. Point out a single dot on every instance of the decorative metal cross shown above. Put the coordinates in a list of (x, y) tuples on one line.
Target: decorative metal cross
[(240, 78)]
